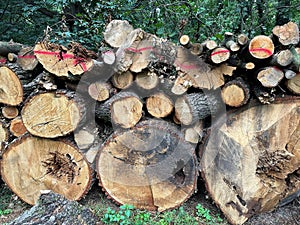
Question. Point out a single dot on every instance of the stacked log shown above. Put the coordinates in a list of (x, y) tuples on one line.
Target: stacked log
[(136, 113)]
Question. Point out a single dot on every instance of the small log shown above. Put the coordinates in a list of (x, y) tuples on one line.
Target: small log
[(147, 80), (288, 34), (116, 32), (17, 127), (235, 93), (270, 76), (12, 57), (108, 57), (159, 105), (296, 61), (124, 109), (219, 55), (232, 45), (26, 59), (196, 49), (10, 47), (185, 41), (260, 143), (210, 44), (194, 134), (192, 107), (86, 136), (100, 91), (289, 74), (261, 47), (11, 87), (150, 166), (59, 60), (293, 84), (181, 85), (242, 39), (55, 209), (31, 164), (52, 114), (282, 58), (227, 69), (122, 80), (240, 64), (10, 112)]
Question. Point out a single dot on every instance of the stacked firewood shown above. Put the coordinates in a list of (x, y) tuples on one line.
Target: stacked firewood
[(149, 116)]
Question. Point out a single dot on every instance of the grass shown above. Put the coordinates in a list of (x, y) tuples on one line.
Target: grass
[(127, 214)]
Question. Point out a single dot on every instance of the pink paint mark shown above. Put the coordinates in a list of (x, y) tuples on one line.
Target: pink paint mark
[(109, 52), (219, 52), (261, 50), (46, 53), (139, 50), (67, 56), (26, 56), (83, 66), (2, 60)]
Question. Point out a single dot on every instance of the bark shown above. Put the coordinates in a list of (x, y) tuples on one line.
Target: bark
[(266, 152), (53, 208), (3, 136), (149, 166), (9, 47), (45, 164)]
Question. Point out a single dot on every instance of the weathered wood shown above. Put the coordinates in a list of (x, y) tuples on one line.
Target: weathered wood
[(10, 112), (12, 57), (242, 39), (192, 107), (53, 208), (52, 114), (11, 87), (289, 74), (287, 34), (194, 134), (235, 93), (210, 44), (116, 32), (270, 76), (59, 60), (122, 80), (261, 47), (17, 127), (232, 45), (293, 84), (108, 57), (252, 159), (282, 58), (185, 41), (32, 164), (150, 166), (159, 105), (3, 136)]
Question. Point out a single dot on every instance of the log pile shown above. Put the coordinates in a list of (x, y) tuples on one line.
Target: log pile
[(150, 116)]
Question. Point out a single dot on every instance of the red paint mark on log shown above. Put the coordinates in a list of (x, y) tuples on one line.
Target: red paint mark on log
[(139, 50), (219, 52), (261, 50), (26, 56), (2, 60)]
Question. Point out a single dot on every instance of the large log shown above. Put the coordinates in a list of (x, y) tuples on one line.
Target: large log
[(150, 166), (32, 164), (252, 159)]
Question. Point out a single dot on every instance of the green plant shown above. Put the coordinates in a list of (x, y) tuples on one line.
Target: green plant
[(5, 212), (205, 214), (122, 217)]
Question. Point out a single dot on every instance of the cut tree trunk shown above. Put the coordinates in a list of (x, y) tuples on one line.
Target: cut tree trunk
[(100, 91), (261, 47), (147, 80), (122, 80), (108, 57), (219, 55), (3, 136), (270, 76), (26, 59), (192, 107), (287, 34), (159, 105), (251, 160), (59, 60), (32, 164), (10, 112), (242, 39), (282, 58), (52, 114), (11, 88), (53, 208), (9, 47), (194, 133), (235, 93), (149, 166)]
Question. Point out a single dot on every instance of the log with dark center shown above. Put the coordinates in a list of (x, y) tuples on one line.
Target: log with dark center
[(150, 166), (32, 164), (251, 160)]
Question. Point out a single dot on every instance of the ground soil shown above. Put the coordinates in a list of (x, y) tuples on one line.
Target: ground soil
[(286, 215)]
